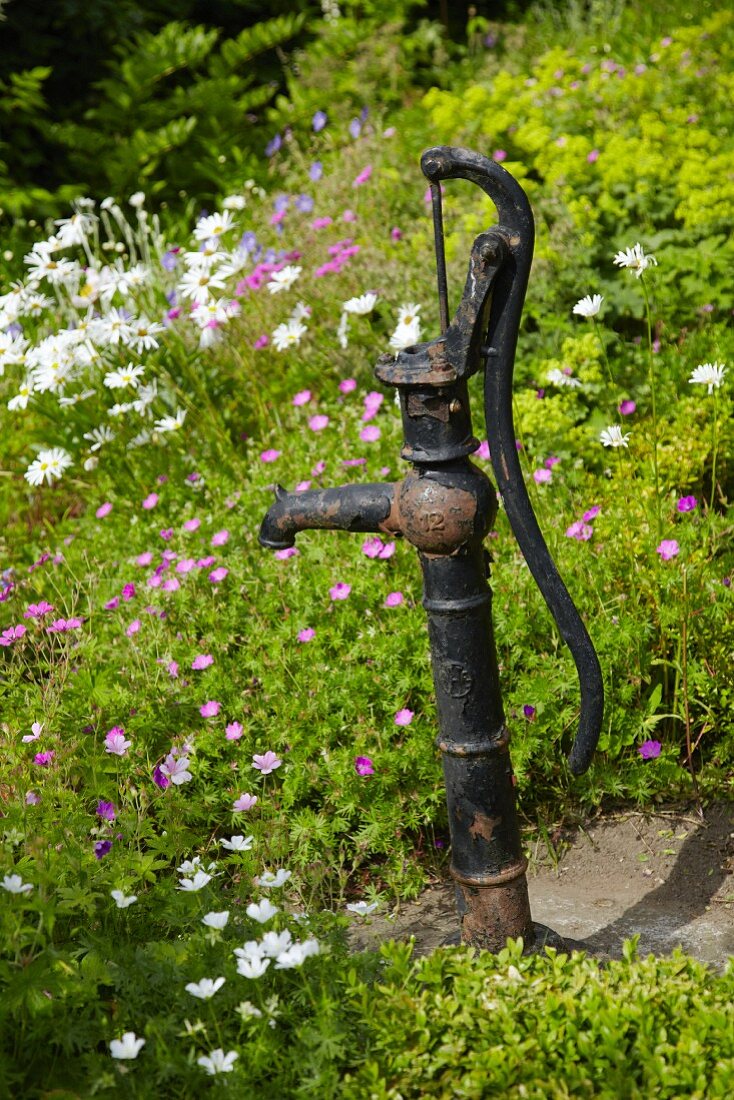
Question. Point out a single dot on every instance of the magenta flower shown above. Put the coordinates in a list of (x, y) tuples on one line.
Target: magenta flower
[(302, 398), (347, 385), (220, 537), (300, 488), (580, 531), (203, 660), (244, 803), (210, 709), (363, 176), (145, 558), (192, 524), (396, 234), (626, 408), (172, 669), (150, 501), (364, 766), (133, 628), (128, 592), (106, 810), (542, 476), (499, 155), (649, 750), (160, 779), (266, 763), (103, 510), (482, 450), (403, 717), (204, 563), (288, 552), (393, 599), (37, 610), (591, 514), (593, 156), (270, 455), (668, 549), (43, 759), (687, 504), (340, 591), (370, 434), (218, 574), (233, 731), (318, 423), (115, 742), (171, 584), (185, 565), (175, 768), (307, 634), (12, 634), (319, 468)]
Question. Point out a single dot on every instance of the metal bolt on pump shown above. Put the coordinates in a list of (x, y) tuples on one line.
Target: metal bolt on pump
[(445, 506)]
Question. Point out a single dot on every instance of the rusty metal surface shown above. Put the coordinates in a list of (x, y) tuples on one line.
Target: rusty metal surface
[(489, 914)]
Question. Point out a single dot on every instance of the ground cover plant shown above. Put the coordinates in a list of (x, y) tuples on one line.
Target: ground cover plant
[(209, 747)]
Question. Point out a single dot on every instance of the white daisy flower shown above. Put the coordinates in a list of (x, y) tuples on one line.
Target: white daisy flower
[(288, 335), (709, 374), (49, 466), (589, 306), (213, 226), (171, 423), (283, 279), (614, 437), (365, 303), (635, 259)]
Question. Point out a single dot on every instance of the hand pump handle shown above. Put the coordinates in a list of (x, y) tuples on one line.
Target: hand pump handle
[(516, 226)]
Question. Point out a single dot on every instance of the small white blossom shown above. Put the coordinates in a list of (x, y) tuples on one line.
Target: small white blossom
[(362, 908), (205, 988), (635, 259), (122, 900), (273, 943), (137, 199), (709, 374), (215, 919), (191, 885), (273, 881), (406, 334), (234, 202), (296, 955), (48, 466), (171, 423), (408, 314), (614, 437), (589, 306), (238, 843), (128, 1047), (288, 335), (558, 378), (362, 305), (213, 226), (124, 377), (14, 885), (342, 332), (99, 436), (262, 910), (283, 279), (252, 968), (218, 1061), (198, 285), (20, 401)]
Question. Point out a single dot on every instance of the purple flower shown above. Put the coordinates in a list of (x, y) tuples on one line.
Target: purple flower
[(270, 455), (499, 155), (115, 742), (288, 551), (370, 433), (106, 810), (593, 156), (218, 574), (318, 121), (301, 398), (542, 476), (318, 423), (169, 259), (102, 847), (233, 731), (404, 717), (591, 514), (43, 759), (266, 763), (529, 712), (364, 766), (244, 803), (203, 660), (103, 510), (580, 531), (355, 128), (626, 408), (160, 779), (649, 750), (668, 549), (687, 504), (316, 171), (347, 385), (150, 501), (273, 145)]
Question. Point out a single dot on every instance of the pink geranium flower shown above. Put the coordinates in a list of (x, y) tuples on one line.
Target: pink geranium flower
[(302, 398), (43, 759), (649, 750), (266, 763), (370, 434), (347, 385), (393, 599), (244, 803), (218, 575), (403, 717), (668, 549), (288, 552), (270, 455), (306, 635), (115, 742), (210, 709), (133, 628), (150, 501), (185, 565), (145, 558), (318, 423), (37, 610), (340, 591), (192, 524), (220, 537), (12, 633), (233, 731), (364, 766), (103, 510), (203, 660)]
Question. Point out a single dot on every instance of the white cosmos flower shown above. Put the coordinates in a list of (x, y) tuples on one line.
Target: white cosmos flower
[(406, 334), (128, 1047), (362, 908), (216, 919), (191, 885), (589, 306), (238, 843), (125, 376), (254, 949), (205, 258), (122, 900), (171, 423), (12, 350), (300, 312), (14, 885), (288, 335), (205, 988), (262, 910), (365, 303), (283, 279), (614, 437), (273, 881), (119, 409), (48, 466), (213, 226), (218, 1061), (635, 259), (558, 378), (145, 397), (253, 967), (709, 374)]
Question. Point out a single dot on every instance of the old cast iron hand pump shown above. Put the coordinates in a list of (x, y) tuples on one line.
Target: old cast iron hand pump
[(445, 507)]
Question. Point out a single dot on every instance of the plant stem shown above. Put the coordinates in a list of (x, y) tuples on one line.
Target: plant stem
[(602, 345), (684, 674), (654, 406), (714, 442)]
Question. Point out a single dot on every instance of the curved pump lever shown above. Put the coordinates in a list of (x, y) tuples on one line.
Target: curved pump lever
[(516, 226)]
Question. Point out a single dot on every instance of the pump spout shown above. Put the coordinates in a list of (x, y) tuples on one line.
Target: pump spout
[(348, 508)]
